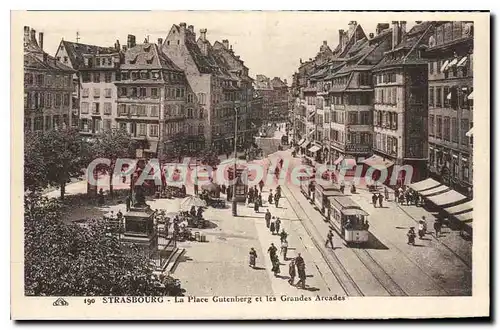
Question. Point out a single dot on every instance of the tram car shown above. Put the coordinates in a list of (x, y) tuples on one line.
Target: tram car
[(349, 220), (322, 194)]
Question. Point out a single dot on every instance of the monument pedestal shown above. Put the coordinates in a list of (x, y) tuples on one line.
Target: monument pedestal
[(140, 230)]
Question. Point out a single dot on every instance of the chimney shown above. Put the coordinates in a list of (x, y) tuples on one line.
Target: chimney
[(300, 61), (341, 39), (45, 56), (130, 41), (160, 42), (225, 42), (183, 27), (40, 40), (402, 28), (203, 34), (285, 82), (26, 35), (352, 27), (124, 48), (33, 36), (381, 27), (395, 34), (191, 28), (325, 43), (418, 22), (117, 45), (371, 35)]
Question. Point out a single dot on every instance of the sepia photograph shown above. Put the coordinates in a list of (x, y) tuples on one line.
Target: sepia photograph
[(306, 162)]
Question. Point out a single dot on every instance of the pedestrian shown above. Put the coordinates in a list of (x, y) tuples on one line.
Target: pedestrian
[(127, 203), (223, 188), (283, 235), (119, 215), (272, 251), (250, 195), (276, 200), (301, 270), (386, 193), (276, 265), (100, 197), (272, 227), (277, 224), (196, 189), (261, 185), (284, 249), (260, 200), (437, 227), (380, 200), (256, 207), (374, 200), (408, 197), (396, 195), (291, 272), (342, 187), (278, 191), (329, 239), (268, 218), (416, 198), (253, 257), (270, 198)]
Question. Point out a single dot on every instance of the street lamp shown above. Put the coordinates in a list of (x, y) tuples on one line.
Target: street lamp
[(235, 204)]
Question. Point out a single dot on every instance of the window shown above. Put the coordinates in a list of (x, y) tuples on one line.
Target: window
[(431, 125), (454, 130), (447, 96), (153, 130), (353, 118), (154, 111), (201, 113), (154, 92), (65, 100), (122, 91), (190, 98), (28, 79), (97, 92), (85, 77), (141, 110), (38, 124), (463, 131), (446, 134), (431, 67), (96, 108), (465, 171), (122, 109), (125, 75), (190, 113), (85, 92), (439, 97), (48, 123), (84, 107), (58, 100), (431, 96), (107, 108), (107, 124), (142, 92), (142, 129), (96, 77), (177, 93), (133, 91), (394, 122), (110, 61), (134, 75), (439, 127), (39, 79), (464, 94), (107, 77), (144, 75), (123, 126), (107, 92)]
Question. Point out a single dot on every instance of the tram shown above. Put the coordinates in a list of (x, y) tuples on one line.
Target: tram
[(349, 220), (321, 197)]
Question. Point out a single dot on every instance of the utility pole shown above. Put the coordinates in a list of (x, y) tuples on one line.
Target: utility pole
[(235, 204)]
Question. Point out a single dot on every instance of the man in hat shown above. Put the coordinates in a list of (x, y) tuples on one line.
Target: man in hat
[(268, 218)]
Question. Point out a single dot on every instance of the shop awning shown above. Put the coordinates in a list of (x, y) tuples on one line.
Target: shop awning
[(314, 148), (349, 162), (464, 217), (471, 96), (424, 185), (448, 97), (462, 61), (434, 191), (470, 132), (453, 62), (301, 141), (445, 65), (378, 162), (448, 197), (153, 147), (304, 144), (467, 206), (341, 158)]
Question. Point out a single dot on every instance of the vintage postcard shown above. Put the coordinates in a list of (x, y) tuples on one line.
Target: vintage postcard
[(250, 165)]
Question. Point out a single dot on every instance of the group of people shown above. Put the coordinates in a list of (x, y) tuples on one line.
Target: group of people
[(378, 197), (404, 194)]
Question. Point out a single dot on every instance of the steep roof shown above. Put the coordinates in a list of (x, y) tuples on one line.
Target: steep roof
[(76, 51), (404, 53), (278, 83), (147, 56), (36, 62)]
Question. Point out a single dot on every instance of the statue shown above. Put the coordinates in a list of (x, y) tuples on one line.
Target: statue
[(139, 199)]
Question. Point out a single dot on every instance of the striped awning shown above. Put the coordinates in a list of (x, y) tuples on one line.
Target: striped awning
[(446, 198)]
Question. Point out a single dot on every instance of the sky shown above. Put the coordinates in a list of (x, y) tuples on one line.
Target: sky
[(270, 43)]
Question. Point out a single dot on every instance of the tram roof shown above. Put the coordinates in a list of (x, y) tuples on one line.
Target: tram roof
[(344, 202)]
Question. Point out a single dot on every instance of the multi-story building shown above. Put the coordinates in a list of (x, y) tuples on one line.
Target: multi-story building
[(450, 72), (97, 70), (347, 97), (154, 100), (257, 109), (264, 89), (280, 88), (48, 86), (400, 116), (216, 91)]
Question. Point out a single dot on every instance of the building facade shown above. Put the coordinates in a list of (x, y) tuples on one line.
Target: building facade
[(450, 97), (48, 86)]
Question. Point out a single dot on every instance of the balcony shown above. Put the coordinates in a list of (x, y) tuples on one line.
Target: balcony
[(339, 106)]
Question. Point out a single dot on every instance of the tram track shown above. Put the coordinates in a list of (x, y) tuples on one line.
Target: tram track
[(338, 270)]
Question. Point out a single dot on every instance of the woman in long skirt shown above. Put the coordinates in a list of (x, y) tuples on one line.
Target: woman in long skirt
[(276, 266), (272, 227), (253, 257), (256, 207)]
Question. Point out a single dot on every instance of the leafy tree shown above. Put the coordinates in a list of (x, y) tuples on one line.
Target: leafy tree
[(71, 260), (112, 144), (176, 147), (35, 173), (210, 158), (65, 156)]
